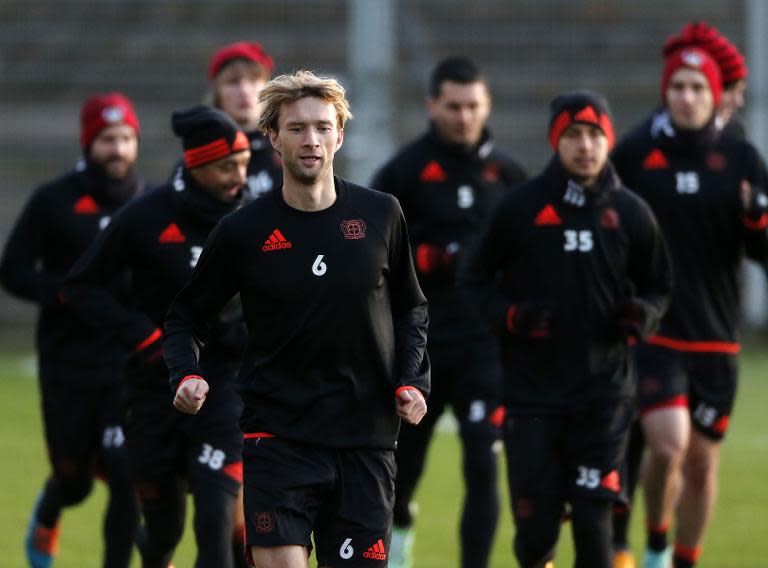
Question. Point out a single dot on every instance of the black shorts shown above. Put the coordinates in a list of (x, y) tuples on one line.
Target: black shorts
[(466, 376), (341, 497), (566, 456), (81, 422), (705, 383), (205, 448)]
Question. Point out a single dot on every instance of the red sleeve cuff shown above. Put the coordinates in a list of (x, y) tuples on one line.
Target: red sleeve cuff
[(510, 322), (181, 382), (154, 336), (757, 225), (405, 388)]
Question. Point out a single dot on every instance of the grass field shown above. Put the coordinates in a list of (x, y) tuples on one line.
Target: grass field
[(738, 537)]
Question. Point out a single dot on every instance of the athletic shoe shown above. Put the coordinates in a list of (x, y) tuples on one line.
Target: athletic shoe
[(549, 565), (656, 559), (401, 548), (623, 559), (40, 543)]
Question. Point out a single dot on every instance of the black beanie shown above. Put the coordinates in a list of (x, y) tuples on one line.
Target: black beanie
[(585, 107), (207, 134)]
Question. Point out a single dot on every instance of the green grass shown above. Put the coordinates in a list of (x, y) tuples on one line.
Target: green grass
[(738, 537)]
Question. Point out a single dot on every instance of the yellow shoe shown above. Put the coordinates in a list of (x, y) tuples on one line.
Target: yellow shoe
[(549, 565), (623, 559)]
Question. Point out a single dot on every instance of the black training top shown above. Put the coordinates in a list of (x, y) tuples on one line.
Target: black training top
[(582, 253), (447, 193), (335, 316), (692, 182), (59, 222), (157, 241)]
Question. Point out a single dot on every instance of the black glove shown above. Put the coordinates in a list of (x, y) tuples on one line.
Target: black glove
[(632, 318), (529, 318)]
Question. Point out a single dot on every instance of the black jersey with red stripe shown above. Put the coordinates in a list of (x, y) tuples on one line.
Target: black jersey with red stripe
[(447, 193), (336, 319), (157, 241), (692, 182), (580, 254), (61, 219)]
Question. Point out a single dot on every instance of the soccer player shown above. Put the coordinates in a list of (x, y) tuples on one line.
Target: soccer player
[(571, 266), (705, 190), (448, 181), (733, 71), (237, 72), (79, 367), (336, 345), (157, 241)]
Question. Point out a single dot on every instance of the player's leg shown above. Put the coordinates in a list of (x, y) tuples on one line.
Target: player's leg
[(713, 389), (475, 401), (163, 508), (70, 420), (353, 525), (597, 440), (238, 532), (536, 475), (154, 451), (284, 485), (622, 554), (591, 528), (215, 471), (410, 456), (663, 404), (122, 516)]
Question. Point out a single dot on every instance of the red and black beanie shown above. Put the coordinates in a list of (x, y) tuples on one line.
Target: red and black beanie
[(584, 107), (250, 51), (697, 59), (207, 135), (102, 111), (733, 65)]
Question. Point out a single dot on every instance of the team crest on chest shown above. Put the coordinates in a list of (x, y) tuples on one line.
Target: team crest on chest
[(353, 229)]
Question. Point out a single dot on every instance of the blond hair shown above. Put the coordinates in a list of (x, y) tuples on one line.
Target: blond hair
[(287, 89)]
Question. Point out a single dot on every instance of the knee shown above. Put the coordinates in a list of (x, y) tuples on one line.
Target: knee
[(74, 488), (535, 539), (480, 461), (668, 450)]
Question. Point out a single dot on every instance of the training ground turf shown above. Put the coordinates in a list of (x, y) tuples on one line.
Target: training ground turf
[(738, 537)]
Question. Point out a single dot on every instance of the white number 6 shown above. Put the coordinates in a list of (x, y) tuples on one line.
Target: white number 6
[(346, 551), (319, 267)]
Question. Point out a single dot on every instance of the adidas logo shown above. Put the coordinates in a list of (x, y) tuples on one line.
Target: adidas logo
[(376, 552), (612, 482), (276, 241), (171, 234), (86, 205), (655, 161), (433, 171), (548, 216)]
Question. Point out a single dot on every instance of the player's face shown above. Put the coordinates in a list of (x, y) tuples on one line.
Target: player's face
[(460, 112), (583, 151), (307, 138), (224, 178), (237, 92), (689, 99), (115, 149), (732, 100)]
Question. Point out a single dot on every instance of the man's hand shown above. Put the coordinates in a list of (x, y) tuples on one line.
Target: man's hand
[(411, 405), (190, 395)]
